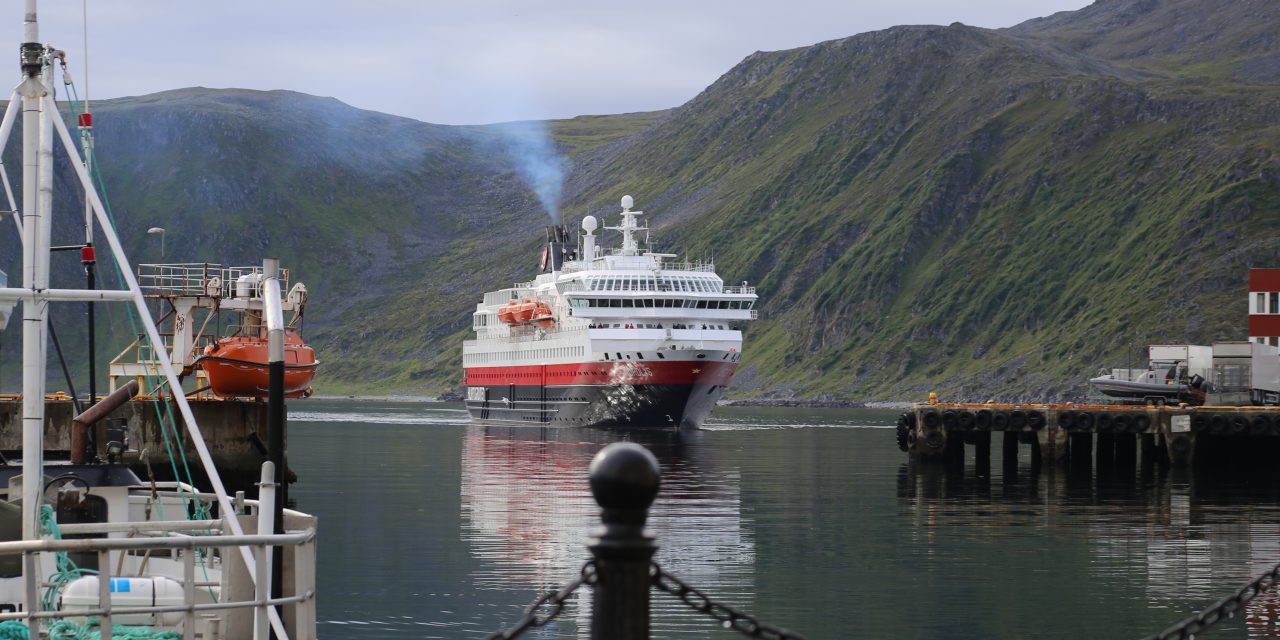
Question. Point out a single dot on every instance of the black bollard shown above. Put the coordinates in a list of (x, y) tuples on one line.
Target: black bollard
[(624, 481)]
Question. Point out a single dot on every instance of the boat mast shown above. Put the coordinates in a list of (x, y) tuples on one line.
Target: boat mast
[(35, 271), (629, 227)]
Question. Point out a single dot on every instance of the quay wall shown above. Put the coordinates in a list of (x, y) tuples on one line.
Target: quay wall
[(230, 428)]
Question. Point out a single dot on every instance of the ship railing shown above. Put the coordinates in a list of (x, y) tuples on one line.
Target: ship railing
[(740, 290), (535, 335), (688, 266), (197, 279), (194, 538)]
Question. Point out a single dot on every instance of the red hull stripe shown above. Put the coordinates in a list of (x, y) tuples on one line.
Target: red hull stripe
[(1264, 280), (626, 372)]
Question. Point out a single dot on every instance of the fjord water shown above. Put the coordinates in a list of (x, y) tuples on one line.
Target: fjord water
[(811, 519)]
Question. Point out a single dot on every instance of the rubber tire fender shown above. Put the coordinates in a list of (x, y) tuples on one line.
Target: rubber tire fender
[(1035, 420), (999, 421), (1122, 423), (966, 420), (1219, 423), (1017, 420), (1199, 423), (1066, 420), (1239, 424), (1260, 425), (950, 421), (1141, 423), (1103, 422), (1084, 421), (931, 419), (982, 420)]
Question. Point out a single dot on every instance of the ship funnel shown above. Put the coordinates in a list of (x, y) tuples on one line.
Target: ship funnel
[(557, 250)]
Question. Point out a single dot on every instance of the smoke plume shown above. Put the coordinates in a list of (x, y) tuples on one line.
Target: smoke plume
[(534, 155)]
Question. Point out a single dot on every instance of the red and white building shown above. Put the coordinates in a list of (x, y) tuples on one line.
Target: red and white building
[(1264, 306)]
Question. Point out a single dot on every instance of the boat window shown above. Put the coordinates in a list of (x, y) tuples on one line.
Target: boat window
[(648, 302), (702, 304), (1275, 302), (1259, 302), (626, 303), (615, 303)]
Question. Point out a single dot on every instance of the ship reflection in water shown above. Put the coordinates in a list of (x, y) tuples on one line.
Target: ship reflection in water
[(1194, 531), (527, 512)]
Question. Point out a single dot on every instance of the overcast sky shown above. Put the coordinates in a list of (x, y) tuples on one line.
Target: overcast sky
[(468, 61)]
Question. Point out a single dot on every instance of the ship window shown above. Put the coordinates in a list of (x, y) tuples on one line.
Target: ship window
[(648, 302), (1259, 302), (702, 304), (626, 303), (1275, 302)]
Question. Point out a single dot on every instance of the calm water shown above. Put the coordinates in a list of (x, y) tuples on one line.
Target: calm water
[(810, 519)]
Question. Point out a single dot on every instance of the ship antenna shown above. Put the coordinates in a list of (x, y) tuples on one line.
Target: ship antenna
[(629, 227)]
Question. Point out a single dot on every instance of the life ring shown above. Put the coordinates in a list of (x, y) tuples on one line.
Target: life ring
[(542, 264)]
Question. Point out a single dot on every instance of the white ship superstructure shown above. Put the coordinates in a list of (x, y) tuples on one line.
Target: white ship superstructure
[(620, 338)]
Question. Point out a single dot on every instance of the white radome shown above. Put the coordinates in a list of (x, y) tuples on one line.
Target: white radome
[(627, 202), (590, 224)]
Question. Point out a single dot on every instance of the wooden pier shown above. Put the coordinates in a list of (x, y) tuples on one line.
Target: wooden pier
[(1082, 433)]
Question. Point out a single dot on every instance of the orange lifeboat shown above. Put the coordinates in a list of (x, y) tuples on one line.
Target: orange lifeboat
[(523, 312), (237, 366), (506, 313), (542, 315)]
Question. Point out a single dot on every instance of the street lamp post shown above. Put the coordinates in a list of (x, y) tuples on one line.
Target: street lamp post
[(160, 231)]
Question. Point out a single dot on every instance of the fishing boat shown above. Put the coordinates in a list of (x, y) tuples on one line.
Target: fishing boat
[(85, 545), (626, 338)]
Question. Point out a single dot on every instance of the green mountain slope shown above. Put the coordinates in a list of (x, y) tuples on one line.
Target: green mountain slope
[(983, 213)]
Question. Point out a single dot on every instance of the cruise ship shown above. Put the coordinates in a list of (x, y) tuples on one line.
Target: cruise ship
[(621, 338)]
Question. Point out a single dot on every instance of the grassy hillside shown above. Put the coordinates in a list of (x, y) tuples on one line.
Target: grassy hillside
[(984, 213)]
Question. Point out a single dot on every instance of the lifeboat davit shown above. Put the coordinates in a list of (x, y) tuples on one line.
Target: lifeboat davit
[(237, 367)]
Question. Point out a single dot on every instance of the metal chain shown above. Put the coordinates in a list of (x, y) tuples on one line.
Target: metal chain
[(554, 599), (730, 618), (1220, 610)]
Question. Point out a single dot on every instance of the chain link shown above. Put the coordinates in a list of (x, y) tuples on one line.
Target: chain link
[(552, 600), (1220, 610), (728, 617)]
